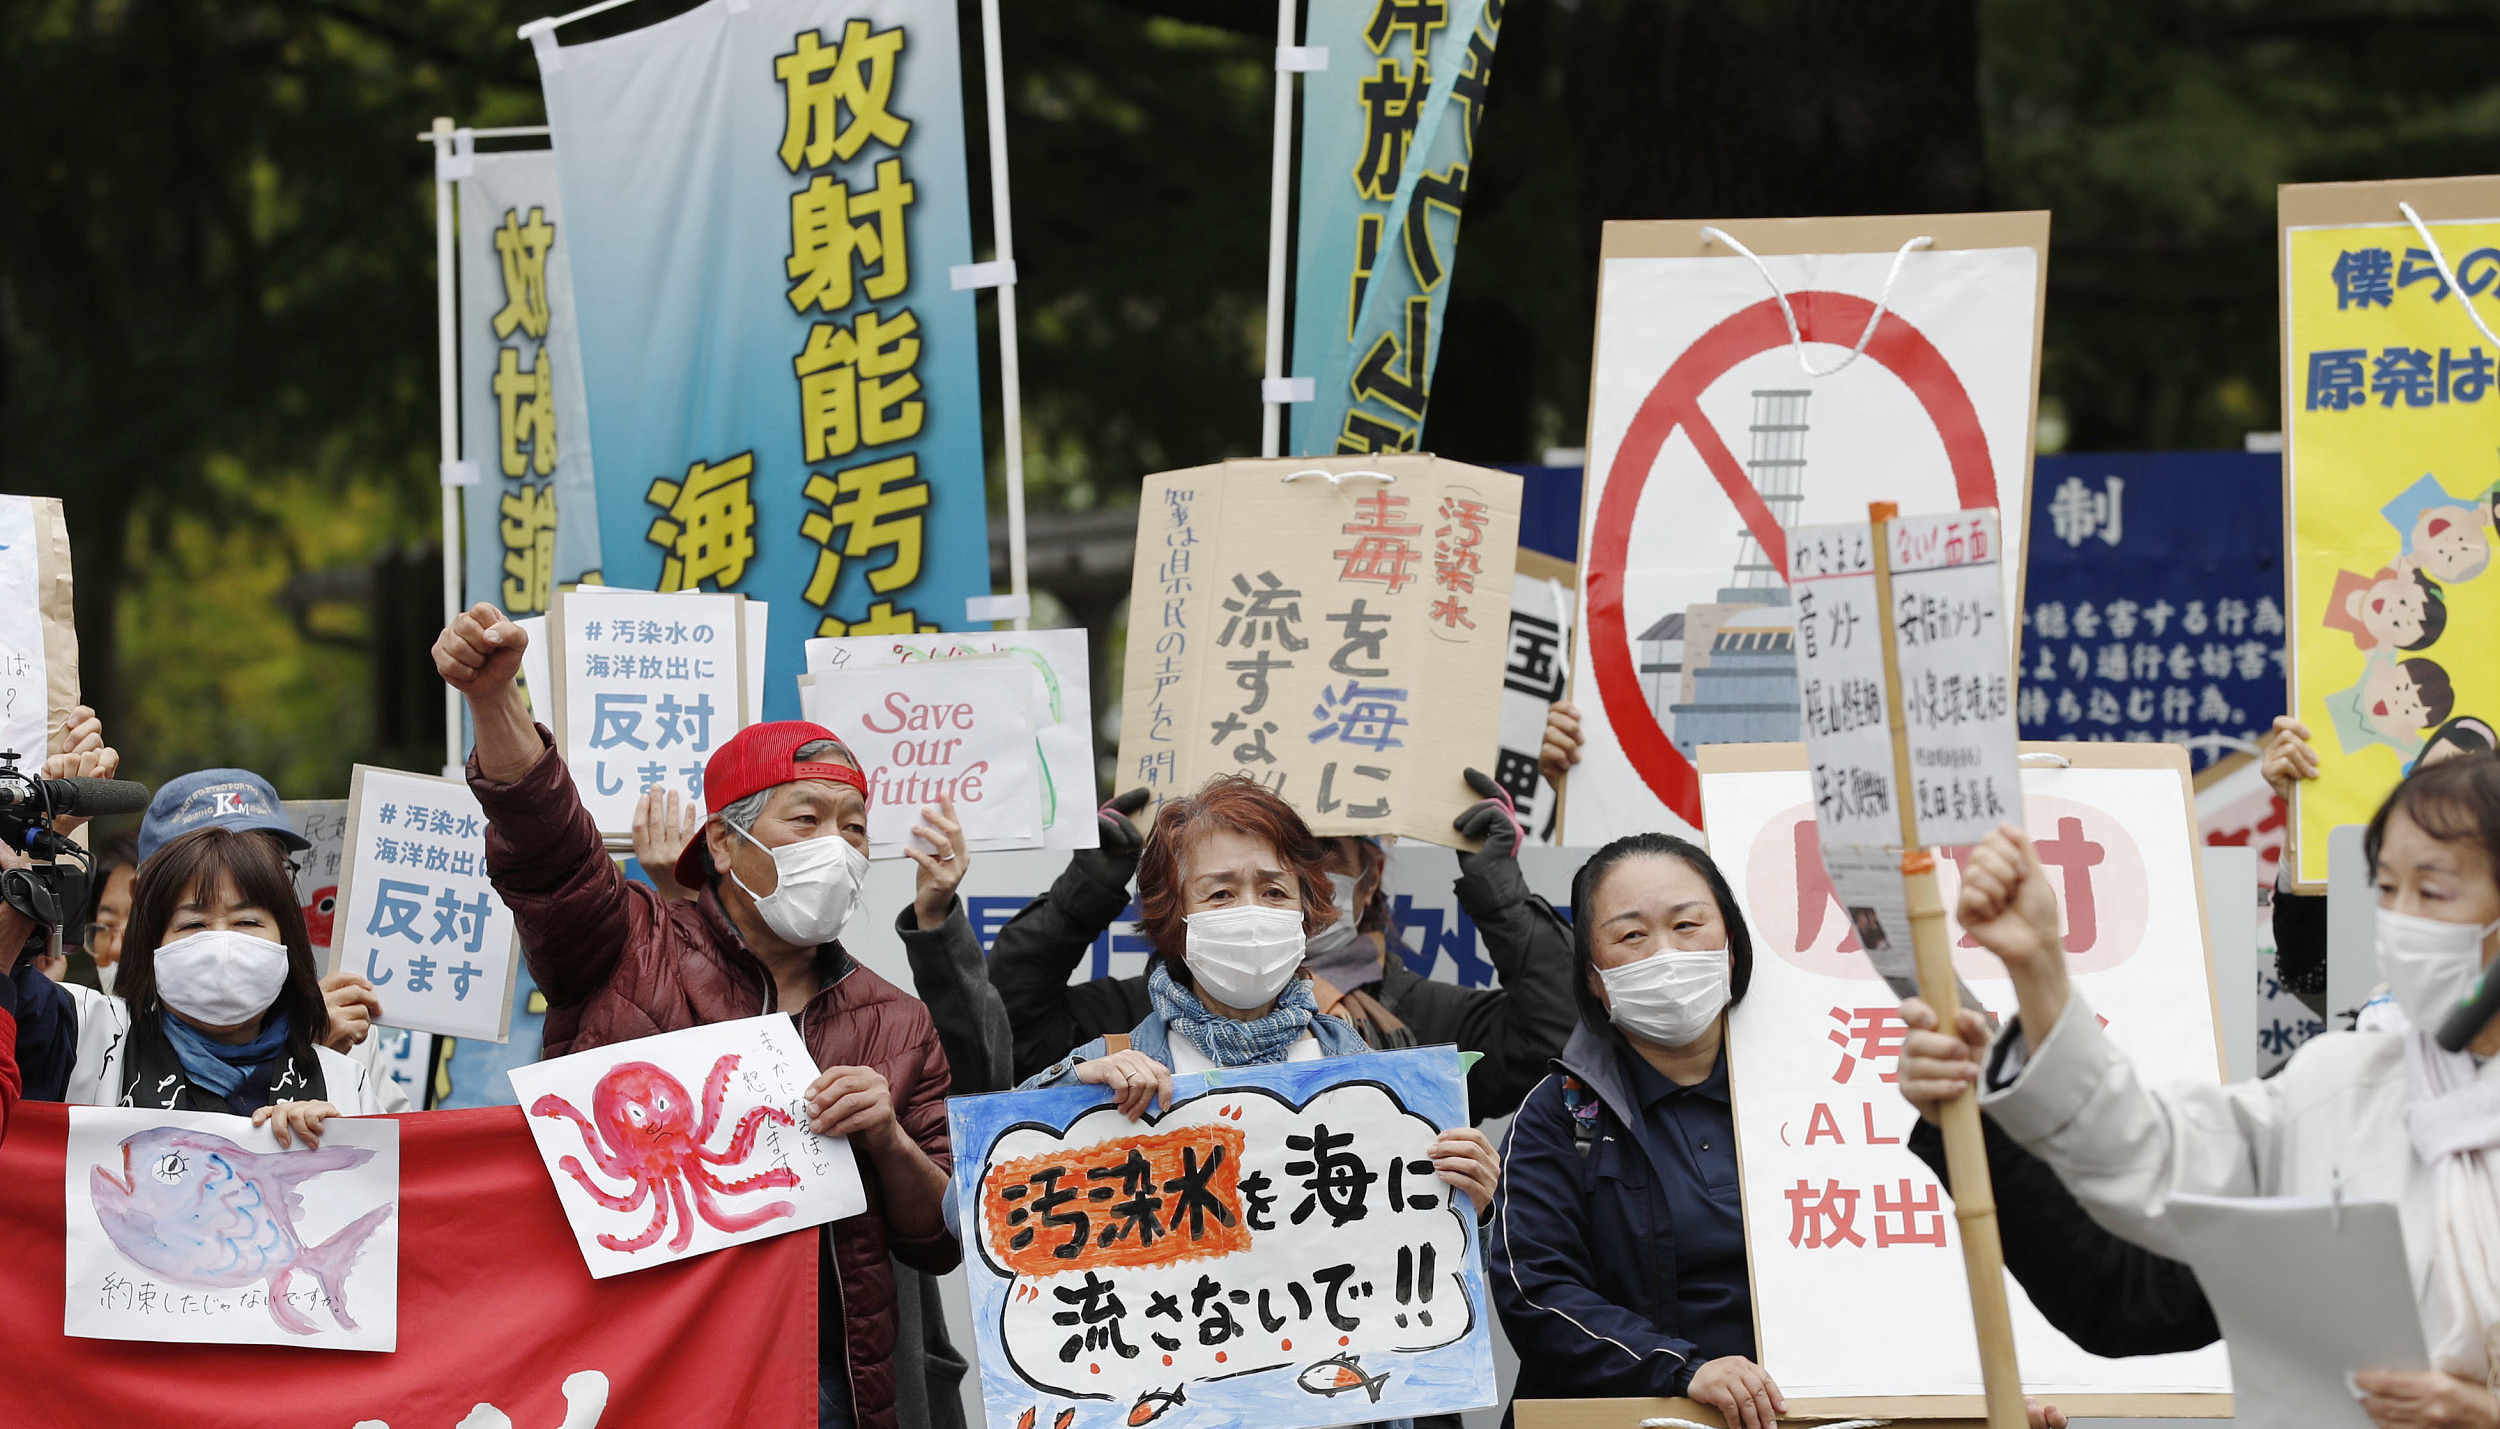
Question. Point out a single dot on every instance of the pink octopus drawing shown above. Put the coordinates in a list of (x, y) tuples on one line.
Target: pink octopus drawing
[(652, 1140)]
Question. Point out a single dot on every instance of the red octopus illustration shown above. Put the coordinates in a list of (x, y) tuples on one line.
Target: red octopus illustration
[(652, 1140)]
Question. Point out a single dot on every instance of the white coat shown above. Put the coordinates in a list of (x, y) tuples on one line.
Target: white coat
[(2331, 1122), (95, 1077)]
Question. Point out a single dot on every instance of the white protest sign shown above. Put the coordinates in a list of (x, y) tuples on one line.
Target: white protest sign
[(1954, 647), (1839, 1216), (1840, 684), (22, 674), (758, 634), (323, 823), (1064, 721), (419, 918), (960, 730), (646, 687), (196, 1227), (671, 1146), (1533, 672)]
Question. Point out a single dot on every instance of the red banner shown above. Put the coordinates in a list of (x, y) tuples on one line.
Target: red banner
[(495, 1308)]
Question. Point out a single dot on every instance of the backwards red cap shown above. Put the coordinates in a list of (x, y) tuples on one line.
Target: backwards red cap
[(755, 759)]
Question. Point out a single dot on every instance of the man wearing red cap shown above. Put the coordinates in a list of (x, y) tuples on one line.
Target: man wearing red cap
[(779, 864)]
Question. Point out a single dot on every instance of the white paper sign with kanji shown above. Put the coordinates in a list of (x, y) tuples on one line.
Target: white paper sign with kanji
[(940, 730), (646, 687), (1841, 1220), (1957, 690), (671, 1146), (1840, 683), (418, 917)]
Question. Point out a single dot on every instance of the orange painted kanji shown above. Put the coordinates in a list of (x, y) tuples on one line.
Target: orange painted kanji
[(1140, 1201)]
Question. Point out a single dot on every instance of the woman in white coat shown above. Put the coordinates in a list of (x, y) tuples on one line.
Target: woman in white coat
[(217, 1007), (2365, 1115)]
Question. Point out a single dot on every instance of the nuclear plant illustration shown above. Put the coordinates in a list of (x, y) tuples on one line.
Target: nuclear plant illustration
[(1726, 672)]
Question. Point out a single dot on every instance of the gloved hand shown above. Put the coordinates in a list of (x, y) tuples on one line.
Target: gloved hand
[(1115, 862), (1494, 819)]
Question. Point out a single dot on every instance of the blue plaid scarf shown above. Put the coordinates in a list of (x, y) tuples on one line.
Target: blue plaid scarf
[(1226, 1042)]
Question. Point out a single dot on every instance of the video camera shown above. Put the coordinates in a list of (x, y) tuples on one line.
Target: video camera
[(54, 892)]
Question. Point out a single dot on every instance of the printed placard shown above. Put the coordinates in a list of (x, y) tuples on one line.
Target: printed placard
[(1274, 1249), (959, 730), (671, 1146), (422, 922), (1840, 683), (196, 1227), (646, 687), (1957, 688), (1063, 720)]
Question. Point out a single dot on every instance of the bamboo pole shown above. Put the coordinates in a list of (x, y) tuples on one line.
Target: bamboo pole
[(1965, 1146)]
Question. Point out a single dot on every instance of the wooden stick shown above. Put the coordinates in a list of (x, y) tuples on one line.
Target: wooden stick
[(1965, 1145)]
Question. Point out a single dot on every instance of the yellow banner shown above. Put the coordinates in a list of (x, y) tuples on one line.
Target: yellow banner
[(2391, 479)]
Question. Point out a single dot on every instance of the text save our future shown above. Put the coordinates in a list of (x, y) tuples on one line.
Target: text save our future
[(955, 730)]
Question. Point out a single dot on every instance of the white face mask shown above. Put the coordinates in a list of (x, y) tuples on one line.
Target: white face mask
[(1243, 957), (1336, 935), (818, 889), (2429, 965), (1670, 997), (219, 977)]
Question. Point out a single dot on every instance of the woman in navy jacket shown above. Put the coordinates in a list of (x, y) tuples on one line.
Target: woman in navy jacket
[(1618, 1248)]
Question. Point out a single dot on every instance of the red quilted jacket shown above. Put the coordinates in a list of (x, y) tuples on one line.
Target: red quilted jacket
[(617, 962)]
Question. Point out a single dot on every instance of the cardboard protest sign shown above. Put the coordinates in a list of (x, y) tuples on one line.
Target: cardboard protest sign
[(421, 921), (196, 1227), (1331, 627), (1838, 1216), (1063, 722), (1534, 671), (1715, 426), (646, 687), (2390, 486), (323, 823), (959, 730), (38, 635), (621, 1128), (1274, 1248)]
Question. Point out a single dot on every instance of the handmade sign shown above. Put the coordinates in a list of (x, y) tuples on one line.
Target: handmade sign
[(1950, 637), (1274, 1248), (1838, 1215), (198, 1227), (1722, 384), (959, 730), (2390, 485), (1334, 628), (646, 687), (497, 1323), (1533, 674), (423, 923), (1063, 721), (38, 638), (323, 823), (697, 1136), (2234, 806)]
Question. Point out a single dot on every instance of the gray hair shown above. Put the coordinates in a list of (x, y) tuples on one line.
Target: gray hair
[(742, 814)]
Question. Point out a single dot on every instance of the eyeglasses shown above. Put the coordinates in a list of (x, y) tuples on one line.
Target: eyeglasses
[(96, 931)]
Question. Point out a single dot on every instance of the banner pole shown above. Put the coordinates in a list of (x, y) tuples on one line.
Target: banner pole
[(1965, 1144), (1010, 368), (1279, 193), (446, 313)]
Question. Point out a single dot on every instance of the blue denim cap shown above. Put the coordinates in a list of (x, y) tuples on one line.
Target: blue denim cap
[(234, 799)]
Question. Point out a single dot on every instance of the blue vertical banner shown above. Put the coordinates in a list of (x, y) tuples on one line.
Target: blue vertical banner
[(1388, 141), (767, 201), (2153, 598)]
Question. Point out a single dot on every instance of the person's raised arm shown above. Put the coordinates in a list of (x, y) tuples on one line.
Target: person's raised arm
[(479, 654), (1521, 1026), (1033, 955)]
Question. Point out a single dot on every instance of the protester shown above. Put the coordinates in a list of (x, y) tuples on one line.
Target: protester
[(1358, 959), (2361, 1116), (1231, 884), (779, 866), (2299, 918), (218, 1005), (110, 880)]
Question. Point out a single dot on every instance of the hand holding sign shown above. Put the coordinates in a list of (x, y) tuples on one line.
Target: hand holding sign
[(937, 845), (480, 651)]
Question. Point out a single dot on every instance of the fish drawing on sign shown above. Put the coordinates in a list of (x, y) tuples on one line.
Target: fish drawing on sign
[(646, 1135), (199, 1210), (1341, 1374), (1151, 1405)]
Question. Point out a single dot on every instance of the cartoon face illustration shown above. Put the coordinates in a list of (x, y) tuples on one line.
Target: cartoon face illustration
[(2405, 611), (2450, 542), (2398, 699)]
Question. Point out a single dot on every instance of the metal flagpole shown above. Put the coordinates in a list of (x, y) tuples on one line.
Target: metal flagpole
[(446, 312), (1010, 371), (1272, 417)]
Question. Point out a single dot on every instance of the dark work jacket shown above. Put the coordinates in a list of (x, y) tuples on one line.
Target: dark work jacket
[(2110, 1296), (2300, 946), (1581, 1257), (1519, 1025)]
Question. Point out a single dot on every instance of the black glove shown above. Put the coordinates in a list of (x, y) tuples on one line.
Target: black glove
[(1115, 862), (1493, 819)]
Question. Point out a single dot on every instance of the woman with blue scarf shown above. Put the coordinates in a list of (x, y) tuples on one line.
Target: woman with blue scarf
[(217, 1006), (1229, 885)]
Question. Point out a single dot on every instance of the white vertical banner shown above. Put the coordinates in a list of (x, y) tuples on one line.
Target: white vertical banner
[(531, 520), (1533, 675)]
